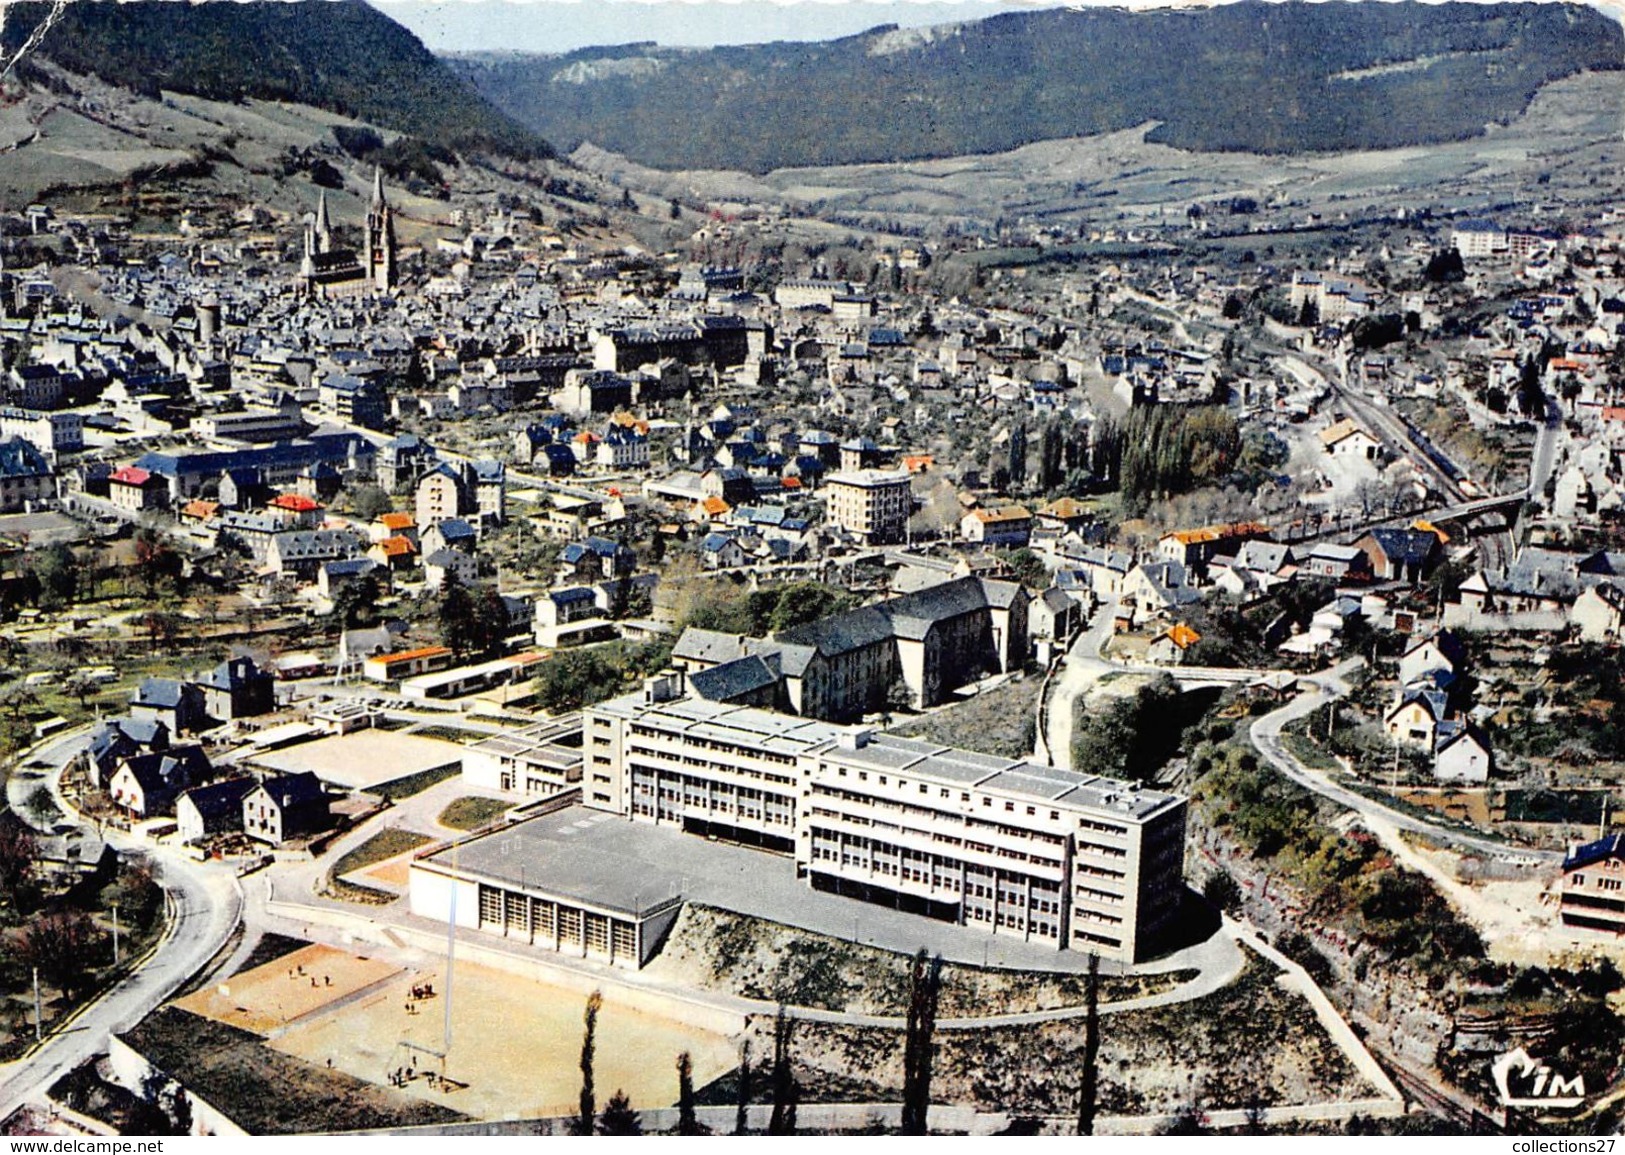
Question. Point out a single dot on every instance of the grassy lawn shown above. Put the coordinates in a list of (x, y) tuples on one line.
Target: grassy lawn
[(364, 895), (53, 700), (471, 813), (999, 721), (385, 844), (1305, 749), (446, 733), (417, 783)]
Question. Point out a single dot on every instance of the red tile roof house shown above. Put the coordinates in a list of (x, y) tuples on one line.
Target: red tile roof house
[(296, 511), (136, 489)]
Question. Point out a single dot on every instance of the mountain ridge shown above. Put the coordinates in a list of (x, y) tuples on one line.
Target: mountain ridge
[(339, 55), (1264, 78)]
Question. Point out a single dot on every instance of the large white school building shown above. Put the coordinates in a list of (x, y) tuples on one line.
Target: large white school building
[(1070, 861), (1083, 862)]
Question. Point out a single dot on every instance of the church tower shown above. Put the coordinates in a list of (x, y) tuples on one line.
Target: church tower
[(378, 254), (324, 226)]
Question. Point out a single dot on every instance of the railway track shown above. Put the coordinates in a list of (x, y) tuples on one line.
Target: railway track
[(1436, 1102)]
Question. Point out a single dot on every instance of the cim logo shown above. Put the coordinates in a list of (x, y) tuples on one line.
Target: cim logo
[(1522, 1081)]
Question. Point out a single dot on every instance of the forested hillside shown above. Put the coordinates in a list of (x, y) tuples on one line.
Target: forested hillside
[(339, 55), (1258, 77)]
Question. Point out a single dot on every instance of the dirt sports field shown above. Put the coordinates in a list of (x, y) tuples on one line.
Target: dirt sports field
[(270, 997), (516, 1045)]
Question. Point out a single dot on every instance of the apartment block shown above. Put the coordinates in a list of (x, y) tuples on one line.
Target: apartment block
[(872, 504), (541, 761), (1078, 861), (1593, 891)]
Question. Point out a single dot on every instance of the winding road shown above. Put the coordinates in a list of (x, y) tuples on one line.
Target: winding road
[(203, 906), (1079, 670), (1327, 687), (1083, 666)]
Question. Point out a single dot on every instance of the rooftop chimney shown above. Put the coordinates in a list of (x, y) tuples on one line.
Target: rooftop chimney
[(666, 686)]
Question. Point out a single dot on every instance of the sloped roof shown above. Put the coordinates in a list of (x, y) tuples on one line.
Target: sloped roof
[(316, 544), (220, 800), (1435, 702), (160, 693), (1004, 513), (1182, 635), (1610, 594), (455, 529), (1457, 734), (1613, 846), (232, 674), (1341, 431), (169, 771), (1224, 532), (708, 646), (1447, 642), (447, 558), (910, 616), (1406, 546), (1264, 556), (735, 679), (290, 790), (349, 567), (1065, 509)]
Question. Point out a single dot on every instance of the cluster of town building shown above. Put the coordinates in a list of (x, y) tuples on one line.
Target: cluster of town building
[(239, 410)]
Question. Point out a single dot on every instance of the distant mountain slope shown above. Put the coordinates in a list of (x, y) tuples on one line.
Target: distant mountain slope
[(336, 54), (1270, 78)]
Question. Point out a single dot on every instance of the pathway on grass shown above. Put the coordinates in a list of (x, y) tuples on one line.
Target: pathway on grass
[(1080, 670), (1298, 979), (419, 813)]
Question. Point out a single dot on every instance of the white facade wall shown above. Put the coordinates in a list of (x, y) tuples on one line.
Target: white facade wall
[(1462, 761), (871, 503), (435, 895), (921, 823)]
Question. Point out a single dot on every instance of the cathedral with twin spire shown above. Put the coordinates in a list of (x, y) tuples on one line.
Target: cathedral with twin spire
[(330, 272)]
